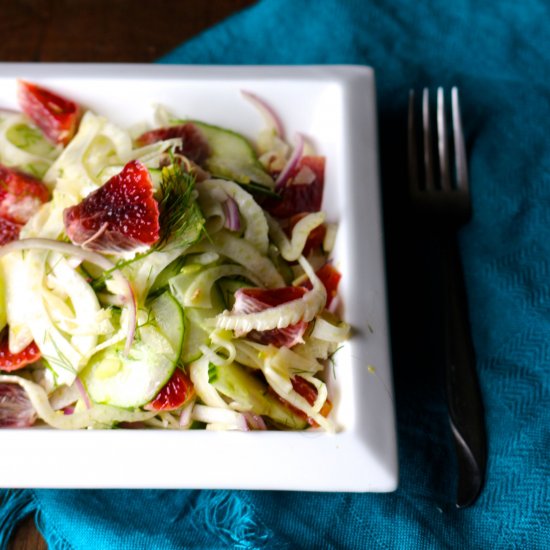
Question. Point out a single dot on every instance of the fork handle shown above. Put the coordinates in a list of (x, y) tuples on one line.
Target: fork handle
[(462, 387)]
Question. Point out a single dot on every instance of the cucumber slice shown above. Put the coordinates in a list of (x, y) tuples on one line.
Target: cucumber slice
[(197, 333), (130, 381), (232, 156), (241, 386), (198, 328), (168, 317), (162, 281)]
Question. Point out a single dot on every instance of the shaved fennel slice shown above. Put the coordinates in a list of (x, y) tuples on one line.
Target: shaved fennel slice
[(56, 347), (199, 292), (31, 153), (149, 155), (17, 279), (322, 391), (96, 417), (316, 349), (198, 371), (330, 237), (294, 363), (47, 222), (97, 145), (163, 117), (245, 254), (324, 330), (281, 316), (250, 354), (282, 385), (117, 281), (256, 231), (212, 210), (219, 419), (291, 250), (144, 271), (219, 343), (83, 300)]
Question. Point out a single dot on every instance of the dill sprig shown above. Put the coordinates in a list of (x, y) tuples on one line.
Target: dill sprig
[(180, 218)]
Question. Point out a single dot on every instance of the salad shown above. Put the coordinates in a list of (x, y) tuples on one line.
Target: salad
[(176, 276)]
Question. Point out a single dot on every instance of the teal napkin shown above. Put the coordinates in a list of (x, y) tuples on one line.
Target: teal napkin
[(498, 53)]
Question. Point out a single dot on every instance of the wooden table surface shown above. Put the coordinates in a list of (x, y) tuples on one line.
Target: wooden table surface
[(130, 31)]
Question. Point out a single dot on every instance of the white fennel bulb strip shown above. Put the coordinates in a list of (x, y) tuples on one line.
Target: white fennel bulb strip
[(242, 252), (122, 284), (18, 278), (23, 145), (324, 330), (83, 299), (199, 292), (291, 250), (224, 419), (96, 416), (198, 371), (295, 363), (213, 357), (283, 315), (282, 385), (97, 145), (330, 237), (220, 342), (256, 229)]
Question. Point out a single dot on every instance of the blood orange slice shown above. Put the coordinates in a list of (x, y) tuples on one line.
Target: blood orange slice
[(121, 215)]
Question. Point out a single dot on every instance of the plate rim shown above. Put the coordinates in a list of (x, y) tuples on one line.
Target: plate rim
[(354, 78)]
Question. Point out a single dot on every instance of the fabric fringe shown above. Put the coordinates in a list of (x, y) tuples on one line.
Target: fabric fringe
[(225, 515), (52, 538), (15, 505)]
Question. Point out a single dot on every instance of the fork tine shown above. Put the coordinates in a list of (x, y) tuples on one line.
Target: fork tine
[(411, 146), (460, 149), (443, 142), (428, 157)]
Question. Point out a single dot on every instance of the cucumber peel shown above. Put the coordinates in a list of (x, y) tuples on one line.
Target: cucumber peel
[(235, 382), (133, 380), (232, 156)]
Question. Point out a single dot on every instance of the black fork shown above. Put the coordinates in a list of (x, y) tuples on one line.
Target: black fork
[(439, 192)]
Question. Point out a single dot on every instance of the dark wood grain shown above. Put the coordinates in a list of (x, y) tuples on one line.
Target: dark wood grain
[(130, 31), (104, 30), (27, 537)]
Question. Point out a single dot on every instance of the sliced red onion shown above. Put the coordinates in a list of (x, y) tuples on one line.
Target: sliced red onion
[(242, 424), (292, 162), (68, 410), (128, 297), (83, 393), (271, 117), (231, 212), (255, 421), (16, 410)]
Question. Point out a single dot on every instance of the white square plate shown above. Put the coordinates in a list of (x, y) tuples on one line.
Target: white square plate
[(335, 106)]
